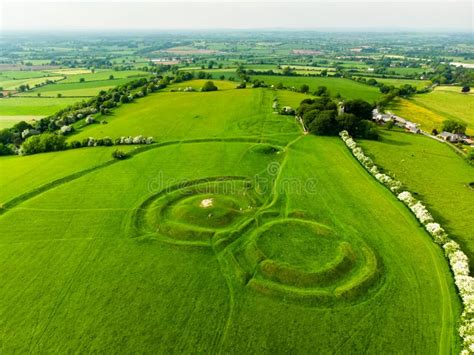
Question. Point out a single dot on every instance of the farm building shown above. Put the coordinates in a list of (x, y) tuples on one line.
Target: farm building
[(450, 137), (412, 127)]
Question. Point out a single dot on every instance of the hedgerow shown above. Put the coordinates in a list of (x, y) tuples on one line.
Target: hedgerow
[(458, 261)]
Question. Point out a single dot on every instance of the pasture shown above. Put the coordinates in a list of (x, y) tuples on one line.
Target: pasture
[(431, 109), (13, 84), (32, 106), (419, 84), (436, 173), (348, 89), (71, 89), (101, 75), (8, 121), (234, 233)]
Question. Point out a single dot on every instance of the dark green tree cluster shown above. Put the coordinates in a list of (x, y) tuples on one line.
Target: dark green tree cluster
[(209, 86), (46, 142), (322, 116)]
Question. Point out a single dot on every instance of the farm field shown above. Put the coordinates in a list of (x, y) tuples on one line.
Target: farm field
[(101, 75), (8, 121), (234, 233), (32, 106), (13, 84), (347, 88), (190, 115), (436, 173), (71, 89), (419, 84), (198, 84), (431, 109)]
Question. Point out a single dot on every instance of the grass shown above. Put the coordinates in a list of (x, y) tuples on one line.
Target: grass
[(430, 110), (13, 84), (419, 84), (199, 83), (8, 121), (125, 258), (439, 176), (290, 98), (347, 88), (88, 88), (32, 106), (104, 75), (188, 115)]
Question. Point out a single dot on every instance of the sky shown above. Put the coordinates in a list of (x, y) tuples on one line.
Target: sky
[(379, 15)]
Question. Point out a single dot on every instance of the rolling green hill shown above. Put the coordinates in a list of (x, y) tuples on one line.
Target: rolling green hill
[(234, 233)]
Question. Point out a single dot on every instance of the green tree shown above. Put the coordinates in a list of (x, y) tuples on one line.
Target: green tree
[(359, 108), (209, 86), (324, 123), (46, 142), (453, 126), (304, 88)]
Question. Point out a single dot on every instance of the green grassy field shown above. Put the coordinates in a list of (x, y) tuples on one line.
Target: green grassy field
[(436, 173), (347, 88), (101, 75), (8, 121), (13, 84), (198, 84), (430, 110), (235, 233), (182, 115), (419, 84), (290, 98), (32, 106), (88, 88)]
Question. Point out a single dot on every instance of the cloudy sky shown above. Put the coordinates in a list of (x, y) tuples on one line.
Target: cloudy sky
[(423, 15)]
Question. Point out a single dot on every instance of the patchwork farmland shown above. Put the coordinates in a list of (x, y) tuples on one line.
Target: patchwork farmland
[(236, 192)]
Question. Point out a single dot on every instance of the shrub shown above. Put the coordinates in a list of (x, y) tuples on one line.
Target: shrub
[(5, 150), (209, 86), (46, 142), (75, 144), (119, 155)]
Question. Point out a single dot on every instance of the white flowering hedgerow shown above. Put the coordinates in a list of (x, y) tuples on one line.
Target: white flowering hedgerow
[(458, 261)]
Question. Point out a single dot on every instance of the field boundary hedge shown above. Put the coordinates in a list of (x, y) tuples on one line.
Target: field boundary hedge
[(458, 261)]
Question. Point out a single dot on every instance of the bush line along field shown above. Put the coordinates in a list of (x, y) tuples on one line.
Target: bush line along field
[(235, 232), (436, 174), (66, 89)]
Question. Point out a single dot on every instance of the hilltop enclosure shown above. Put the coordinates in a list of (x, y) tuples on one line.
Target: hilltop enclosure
[(233, 232)]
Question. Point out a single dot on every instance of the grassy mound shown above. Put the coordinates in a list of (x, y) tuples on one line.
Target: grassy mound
[(196, 210), (304, 261)]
